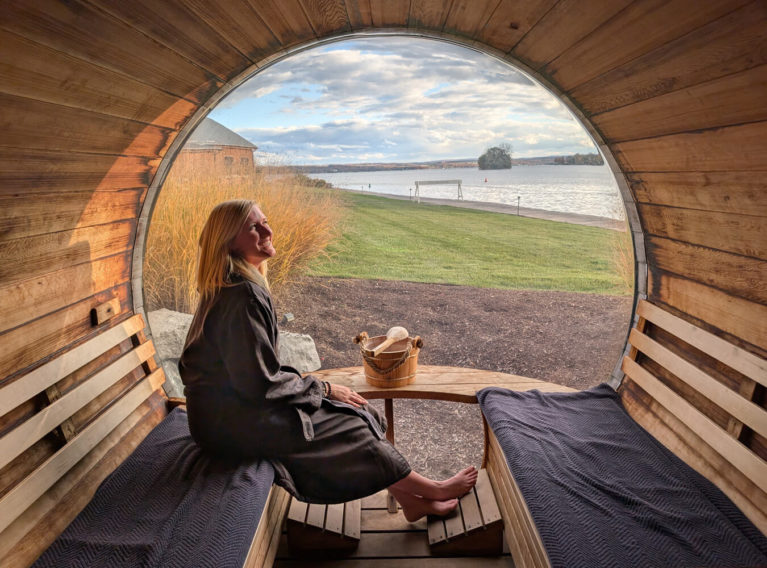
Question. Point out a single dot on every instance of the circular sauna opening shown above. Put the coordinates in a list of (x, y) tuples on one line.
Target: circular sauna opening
[(380, 163)]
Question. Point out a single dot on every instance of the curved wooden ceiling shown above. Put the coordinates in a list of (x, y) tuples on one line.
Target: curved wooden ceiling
[(96, 92)]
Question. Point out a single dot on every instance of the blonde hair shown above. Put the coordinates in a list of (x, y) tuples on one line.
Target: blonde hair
[(217, 263)]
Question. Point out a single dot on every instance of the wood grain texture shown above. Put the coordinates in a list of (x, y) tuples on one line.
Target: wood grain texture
[(286, 20), (433, 382), (28, 125), (726, 192), (708, 344), (46, 337), (39, 296), (59, 410), (733, 148), (729, 400), (51, 212), (694, 450), (45, 171), (25, 258), (468, 17), (738, 275), (172, 24), (38, 72), (44, 477), (521, 534), (24, 540), (326, 16), (560, 28), (745, 321), (428, 14), (511, 20), (728, 45), (359, 13), (239, 24), (732, 99), (389, 13), (111, 43), (710, 229), (636, 30)]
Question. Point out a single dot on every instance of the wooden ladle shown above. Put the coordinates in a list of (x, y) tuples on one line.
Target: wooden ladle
[(394, 334)]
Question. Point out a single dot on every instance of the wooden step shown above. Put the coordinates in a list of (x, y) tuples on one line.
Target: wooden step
[(328, 528), (475, 527)]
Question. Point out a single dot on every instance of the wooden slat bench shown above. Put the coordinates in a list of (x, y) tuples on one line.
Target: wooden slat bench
[(695, 408), (65, 426)]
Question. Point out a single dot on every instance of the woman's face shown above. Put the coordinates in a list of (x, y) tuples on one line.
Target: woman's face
[(254, 241)]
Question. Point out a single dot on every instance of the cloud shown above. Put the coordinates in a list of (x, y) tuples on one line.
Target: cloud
[(405, 98)]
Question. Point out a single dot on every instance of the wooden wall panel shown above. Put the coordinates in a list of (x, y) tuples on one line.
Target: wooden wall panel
[(239, 24), (733, 148), (733, 99), (28, 125), (37, 528), (286, 20), (41, 213), (170, 23), (359, 13), (390, 13), (44, 171), (29, 299), (730, 44), (22, 259), (511, 21), (468, 17), (708, 228), (727, 192), (565, 24), (712, 309), (43, 338), (326, 16), (34, 71), (738, 275), (638, 29), (110, 43), (429, 14)]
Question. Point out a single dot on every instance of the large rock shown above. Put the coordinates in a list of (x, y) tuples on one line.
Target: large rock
[(298, 350), (169, 331)]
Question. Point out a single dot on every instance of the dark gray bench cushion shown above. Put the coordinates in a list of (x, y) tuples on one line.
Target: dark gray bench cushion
[(603, 492), (168, 504)]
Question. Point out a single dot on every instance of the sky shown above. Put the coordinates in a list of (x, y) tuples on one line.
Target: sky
[(396, 99)]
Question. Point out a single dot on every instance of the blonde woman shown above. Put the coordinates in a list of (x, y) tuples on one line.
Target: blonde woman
[(327, 445)]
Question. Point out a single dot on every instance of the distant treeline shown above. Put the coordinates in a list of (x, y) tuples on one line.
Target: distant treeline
[(579, 160)]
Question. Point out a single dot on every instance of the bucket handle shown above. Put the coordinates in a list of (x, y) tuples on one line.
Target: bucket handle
[(370, 360)]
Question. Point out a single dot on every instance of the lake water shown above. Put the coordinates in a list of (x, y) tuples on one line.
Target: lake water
[(588, 190)]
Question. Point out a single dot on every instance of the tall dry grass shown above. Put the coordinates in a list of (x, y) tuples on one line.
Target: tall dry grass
[(304, 220), (622, 250)]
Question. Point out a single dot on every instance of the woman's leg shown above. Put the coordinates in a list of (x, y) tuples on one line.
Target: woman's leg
[(415, 507), (457, 486), (420, 496)]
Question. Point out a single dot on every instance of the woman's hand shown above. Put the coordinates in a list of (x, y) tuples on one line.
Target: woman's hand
[(342, 393)]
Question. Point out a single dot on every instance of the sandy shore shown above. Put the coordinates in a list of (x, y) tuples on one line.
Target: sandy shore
[(575, 218)]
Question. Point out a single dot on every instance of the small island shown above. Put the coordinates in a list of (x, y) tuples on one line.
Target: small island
[(496, 158)]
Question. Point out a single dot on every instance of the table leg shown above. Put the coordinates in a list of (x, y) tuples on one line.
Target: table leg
[(391, 502)]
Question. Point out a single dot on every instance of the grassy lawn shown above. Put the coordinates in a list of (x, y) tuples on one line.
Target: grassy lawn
[(394, 239)]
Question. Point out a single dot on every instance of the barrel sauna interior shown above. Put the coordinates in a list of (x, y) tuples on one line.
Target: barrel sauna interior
[(97, 96)]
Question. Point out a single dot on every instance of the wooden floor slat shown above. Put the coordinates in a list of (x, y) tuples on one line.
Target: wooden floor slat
[(388, 539)]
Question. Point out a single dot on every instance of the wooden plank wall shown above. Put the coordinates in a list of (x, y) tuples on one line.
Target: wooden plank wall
[(94, 92)]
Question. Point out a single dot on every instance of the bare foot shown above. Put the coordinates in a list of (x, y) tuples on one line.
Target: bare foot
[(420, 507), (458, 485)]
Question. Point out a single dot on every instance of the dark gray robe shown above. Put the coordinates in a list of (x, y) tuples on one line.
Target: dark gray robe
[(243, 403)]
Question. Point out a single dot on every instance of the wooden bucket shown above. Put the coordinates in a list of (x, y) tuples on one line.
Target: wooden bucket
[(394, 367)]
